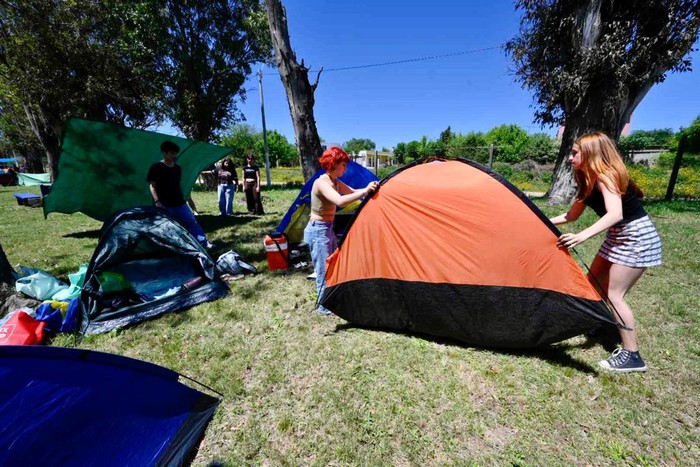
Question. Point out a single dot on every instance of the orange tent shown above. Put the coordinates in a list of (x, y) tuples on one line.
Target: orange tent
[(451, 249)]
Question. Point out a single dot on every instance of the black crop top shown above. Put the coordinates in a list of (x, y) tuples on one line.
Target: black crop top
[(632, 208)]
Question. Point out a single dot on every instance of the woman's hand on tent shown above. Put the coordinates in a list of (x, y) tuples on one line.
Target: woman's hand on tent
[(570, 240), (371, 187)]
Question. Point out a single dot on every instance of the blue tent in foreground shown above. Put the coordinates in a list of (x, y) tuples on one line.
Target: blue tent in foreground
[(61, 406), (294, 222)]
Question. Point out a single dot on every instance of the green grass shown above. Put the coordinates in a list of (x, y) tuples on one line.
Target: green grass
[(301, 389)]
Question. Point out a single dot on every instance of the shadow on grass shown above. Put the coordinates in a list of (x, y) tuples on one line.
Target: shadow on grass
[(553, 354), (215, 222), (212, 222), (85, 234)]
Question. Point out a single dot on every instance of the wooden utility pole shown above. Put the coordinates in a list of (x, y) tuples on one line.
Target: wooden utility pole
[(264, 128)]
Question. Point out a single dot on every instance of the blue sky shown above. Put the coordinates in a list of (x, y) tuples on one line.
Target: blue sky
[(389, 104)]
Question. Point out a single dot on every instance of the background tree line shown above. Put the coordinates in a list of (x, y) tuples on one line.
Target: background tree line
[(246, 139), (510, 142)]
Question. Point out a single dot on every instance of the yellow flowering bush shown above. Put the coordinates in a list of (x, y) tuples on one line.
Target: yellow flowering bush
[(654, 181)]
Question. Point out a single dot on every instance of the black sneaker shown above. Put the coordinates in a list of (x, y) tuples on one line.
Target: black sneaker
[(624, 361)]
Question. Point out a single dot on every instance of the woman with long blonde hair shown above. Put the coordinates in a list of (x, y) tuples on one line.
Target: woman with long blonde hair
[(631, 245)]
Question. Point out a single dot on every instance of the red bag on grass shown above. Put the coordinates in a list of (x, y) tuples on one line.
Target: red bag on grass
[(21, 329)]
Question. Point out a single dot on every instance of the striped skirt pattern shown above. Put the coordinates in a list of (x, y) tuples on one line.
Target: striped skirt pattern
[(635, 244)]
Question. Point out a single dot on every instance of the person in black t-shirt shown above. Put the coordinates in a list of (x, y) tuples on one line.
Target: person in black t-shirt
[(251, 185), (632, 243), (164, 178)]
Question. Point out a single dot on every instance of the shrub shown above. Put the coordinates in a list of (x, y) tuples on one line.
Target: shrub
[(506, 170), (693, 134), (510, 142), (666, 160), (470, 146), (384, 172), (540, 148)]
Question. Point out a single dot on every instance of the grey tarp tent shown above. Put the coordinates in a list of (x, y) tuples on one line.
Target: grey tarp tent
[(145, 264)]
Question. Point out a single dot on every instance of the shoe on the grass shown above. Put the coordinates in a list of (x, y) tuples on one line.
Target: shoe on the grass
[(323, 311), (624, 361), (208, 245)]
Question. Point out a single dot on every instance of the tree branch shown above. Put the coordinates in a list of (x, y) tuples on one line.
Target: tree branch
[(318, 76)]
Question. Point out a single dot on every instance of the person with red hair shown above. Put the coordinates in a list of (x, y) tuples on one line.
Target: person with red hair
[(327, 193), (632, 243)]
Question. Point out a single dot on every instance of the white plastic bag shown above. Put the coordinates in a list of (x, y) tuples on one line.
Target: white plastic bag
[(38, 284)]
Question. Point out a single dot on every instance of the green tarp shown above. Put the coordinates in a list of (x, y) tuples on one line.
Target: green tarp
[(25, 179), (102, 167)]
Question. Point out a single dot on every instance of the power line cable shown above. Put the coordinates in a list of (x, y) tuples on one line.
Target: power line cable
[(408, 60)]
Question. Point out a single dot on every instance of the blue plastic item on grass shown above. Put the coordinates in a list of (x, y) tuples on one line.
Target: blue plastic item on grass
[(70, 322), (51, 316)]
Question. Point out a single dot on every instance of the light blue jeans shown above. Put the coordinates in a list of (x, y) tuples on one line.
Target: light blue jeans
[(321, 239), (226, 191), (186, 218)]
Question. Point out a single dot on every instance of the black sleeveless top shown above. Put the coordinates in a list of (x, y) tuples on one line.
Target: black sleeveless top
[(632, 208)]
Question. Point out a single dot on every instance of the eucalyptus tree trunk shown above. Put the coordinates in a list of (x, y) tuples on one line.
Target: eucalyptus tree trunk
[(603, 107), (300, 92), (48, 135)]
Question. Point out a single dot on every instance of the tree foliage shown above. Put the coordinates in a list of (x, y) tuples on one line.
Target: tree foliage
[(510, 144), (510, 140), (693, 134), (540, 148), (16, 136), (281, 151), (211, 46), (246, 139), (92, 59), (472, 145), (242, 139), (356, 145), (133, 63), (590, 63), (400, 153), (646, 139)]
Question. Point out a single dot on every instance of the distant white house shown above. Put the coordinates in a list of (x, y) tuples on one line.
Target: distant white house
[(374, 159)]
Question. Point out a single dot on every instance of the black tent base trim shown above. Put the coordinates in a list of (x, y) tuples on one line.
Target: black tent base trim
[(485, 316), (136, 313)]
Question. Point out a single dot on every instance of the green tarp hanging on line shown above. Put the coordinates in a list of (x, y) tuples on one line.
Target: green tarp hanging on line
[(103, 166), (26, 179)]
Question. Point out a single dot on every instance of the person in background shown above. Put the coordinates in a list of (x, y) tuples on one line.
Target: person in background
[(632, 243), (327, 193), (251, 185), (164, 178), (228, 182)]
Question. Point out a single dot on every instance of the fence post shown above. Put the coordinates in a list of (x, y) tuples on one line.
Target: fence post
[(491, 156), (676, 167)]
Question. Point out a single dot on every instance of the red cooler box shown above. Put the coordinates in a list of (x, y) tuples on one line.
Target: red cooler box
[(277, 250)]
